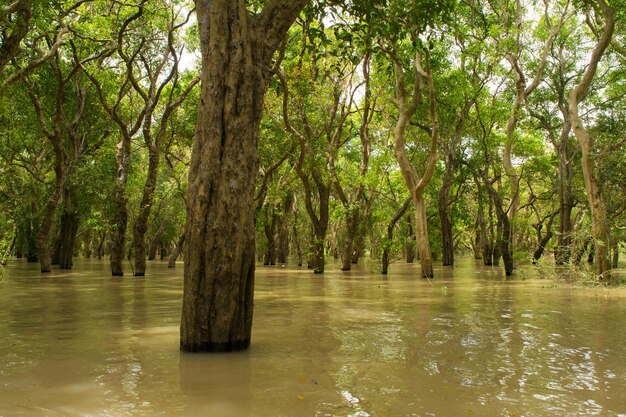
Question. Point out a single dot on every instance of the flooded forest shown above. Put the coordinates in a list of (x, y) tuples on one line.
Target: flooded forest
[(421, 203)]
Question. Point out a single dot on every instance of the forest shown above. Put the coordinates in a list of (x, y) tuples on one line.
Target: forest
[(235, 134)]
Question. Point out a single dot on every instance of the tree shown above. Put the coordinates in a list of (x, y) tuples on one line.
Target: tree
[(237, 49), (599, 223)]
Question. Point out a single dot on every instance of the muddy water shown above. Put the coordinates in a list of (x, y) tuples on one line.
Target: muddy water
[(345, 344)]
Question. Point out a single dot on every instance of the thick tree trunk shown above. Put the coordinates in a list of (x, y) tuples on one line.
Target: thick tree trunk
[(421, 236), (220, 236)]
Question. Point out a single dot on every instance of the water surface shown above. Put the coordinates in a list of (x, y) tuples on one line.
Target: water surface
[(468, 343)]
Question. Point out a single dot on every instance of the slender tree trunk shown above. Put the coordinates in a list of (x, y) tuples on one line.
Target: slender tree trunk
[(578, 255), (352, 223), (563, 250), (141, 223), (237, 49), (389, 241), (270, 236), (409, 248), (120, 216), (171, 262), (447, 240), (599, 221), (68, 232)]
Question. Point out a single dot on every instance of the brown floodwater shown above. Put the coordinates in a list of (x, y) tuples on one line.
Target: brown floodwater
[(468, 343)]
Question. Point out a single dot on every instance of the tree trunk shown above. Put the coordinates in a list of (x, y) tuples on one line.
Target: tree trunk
[(410, 243), (296, 239), (120, 216), (447, 240), (69, 229), (237, 49), (563, 250), (44, 253), (599, 221), (171, 262), (421, 236), (283, 229), (390, 227), (543, 240), (141, 223), (270, 252), (352, 223)]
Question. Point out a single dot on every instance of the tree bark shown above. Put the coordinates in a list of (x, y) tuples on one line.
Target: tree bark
[(237, 49)]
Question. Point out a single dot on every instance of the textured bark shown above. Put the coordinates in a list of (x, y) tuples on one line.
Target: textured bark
[(220, 249), (599, 222)]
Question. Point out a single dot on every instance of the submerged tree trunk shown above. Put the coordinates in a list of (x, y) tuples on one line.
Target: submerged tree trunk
[(220, 247)]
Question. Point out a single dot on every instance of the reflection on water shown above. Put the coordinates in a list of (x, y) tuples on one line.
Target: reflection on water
[(344, 344)]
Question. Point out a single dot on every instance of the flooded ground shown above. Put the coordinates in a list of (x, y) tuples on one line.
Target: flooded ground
[(468, 343)]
